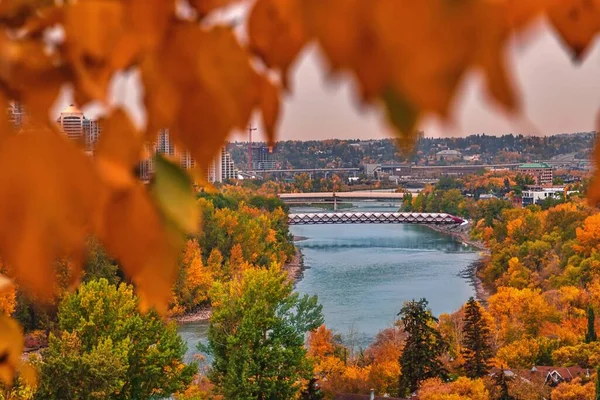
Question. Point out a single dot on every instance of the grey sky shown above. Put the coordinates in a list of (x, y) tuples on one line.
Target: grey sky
[(558, 97)]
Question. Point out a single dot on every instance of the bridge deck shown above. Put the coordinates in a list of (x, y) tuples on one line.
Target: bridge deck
[(374, 218), (342, 195)]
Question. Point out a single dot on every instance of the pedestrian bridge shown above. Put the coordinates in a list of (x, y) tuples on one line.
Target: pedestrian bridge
[(374, 218)]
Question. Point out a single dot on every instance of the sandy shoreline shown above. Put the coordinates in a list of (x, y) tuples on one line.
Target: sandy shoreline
[(294, 269)]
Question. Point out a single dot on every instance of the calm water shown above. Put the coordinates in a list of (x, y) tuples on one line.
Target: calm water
[(363, 273)]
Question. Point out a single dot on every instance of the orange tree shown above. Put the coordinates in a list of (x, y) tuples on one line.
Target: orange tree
[(199, 80)]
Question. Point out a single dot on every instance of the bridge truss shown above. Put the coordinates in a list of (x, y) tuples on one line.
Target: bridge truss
[(374, 218)]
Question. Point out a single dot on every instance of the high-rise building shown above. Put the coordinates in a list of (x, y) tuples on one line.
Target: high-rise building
[(218, 170), (262, 158), (91, 133), (227, 167), (16, 114), (71, 121)]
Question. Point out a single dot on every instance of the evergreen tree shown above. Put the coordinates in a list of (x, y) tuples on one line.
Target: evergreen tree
[(590, 335), (420, 359), (477, 350)]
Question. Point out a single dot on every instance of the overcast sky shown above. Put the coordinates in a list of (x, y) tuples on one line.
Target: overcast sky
[(558, 96)]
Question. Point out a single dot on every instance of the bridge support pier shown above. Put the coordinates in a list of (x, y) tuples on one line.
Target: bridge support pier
[(334, 202)]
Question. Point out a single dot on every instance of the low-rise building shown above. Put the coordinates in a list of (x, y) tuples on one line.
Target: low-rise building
[(448, 155), (538, 195), (541, 172)]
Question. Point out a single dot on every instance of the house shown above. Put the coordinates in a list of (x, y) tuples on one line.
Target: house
[(448, 155), (546, 375)]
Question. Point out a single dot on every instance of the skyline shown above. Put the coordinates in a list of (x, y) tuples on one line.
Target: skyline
[(557, 95)]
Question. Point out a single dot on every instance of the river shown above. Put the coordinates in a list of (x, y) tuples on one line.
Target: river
[(363, 273)]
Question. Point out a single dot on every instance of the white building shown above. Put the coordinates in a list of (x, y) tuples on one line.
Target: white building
[(218, 170), (71, 121), (540, 194)]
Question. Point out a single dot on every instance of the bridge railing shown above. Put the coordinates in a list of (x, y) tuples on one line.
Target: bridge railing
[(374, 218)]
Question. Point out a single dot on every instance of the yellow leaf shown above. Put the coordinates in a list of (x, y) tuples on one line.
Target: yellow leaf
[(119, 149), (51, 196), (173, 193), (576, 21), (11, 347), (135, 234), (276, 33), (29, 375)]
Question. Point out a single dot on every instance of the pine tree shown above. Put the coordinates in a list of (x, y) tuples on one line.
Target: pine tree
[(420, 359), (590, 335), (477, 350)]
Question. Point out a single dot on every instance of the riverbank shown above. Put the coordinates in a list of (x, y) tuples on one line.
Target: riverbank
[(295, 272), (461, 232)]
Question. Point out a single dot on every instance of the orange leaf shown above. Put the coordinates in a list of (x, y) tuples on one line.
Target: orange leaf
[(133, 232), (276, 33), (119, 149), (50, 199), (269, 106), (215, 93), (576, 21)]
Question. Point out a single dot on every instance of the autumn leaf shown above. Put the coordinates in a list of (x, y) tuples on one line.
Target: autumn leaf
[(173, 193), (134, 232), (11, 347), (269, 106), (401, 114), (576, 21), (276, 33), (119, 149), (215, 93), (51, 196)]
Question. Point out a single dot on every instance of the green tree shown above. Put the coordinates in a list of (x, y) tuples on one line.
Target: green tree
[(477, 350), (100, 265), (420, 358), (590, 335), (257, 334), (107, 349)]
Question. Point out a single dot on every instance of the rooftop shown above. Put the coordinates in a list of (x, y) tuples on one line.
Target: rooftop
[(534, 166)]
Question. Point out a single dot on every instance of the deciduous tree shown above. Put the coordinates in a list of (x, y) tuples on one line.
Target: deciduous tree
[(256, 336), (106, 349)]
